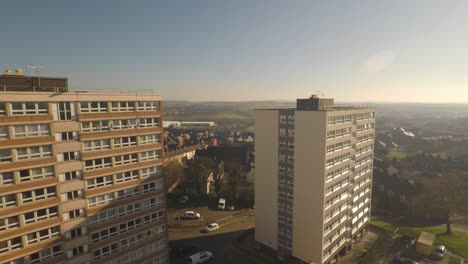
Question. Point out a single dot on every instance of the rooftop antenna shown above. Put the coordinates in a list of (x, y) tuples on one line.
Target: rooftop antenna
[(36, 68)]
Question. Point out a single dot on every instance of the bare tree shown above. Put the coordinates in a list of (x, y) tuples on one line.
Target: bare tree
[(200, 169), (173, 171), (234, 180), (447, 194)]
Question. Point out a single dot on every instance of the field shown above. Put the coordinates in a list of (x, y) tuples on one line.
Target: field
[(456, 242)]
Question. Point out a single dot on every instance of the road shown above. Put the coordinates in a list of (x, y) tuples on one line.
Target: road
[(182, 234)]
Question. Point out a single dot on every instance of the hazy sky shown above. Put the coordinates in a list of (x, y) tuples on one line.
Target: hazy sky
[(405, 50)]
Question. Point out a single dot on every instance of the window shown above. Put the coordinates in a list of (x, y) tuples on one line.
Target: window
[(67, 136), (5, 155), (6, 178), (150, 139), (38, 194), (93, 107), (76, 232), (100, 200), (9, 223), (3, 132), (95, 126), (72, 175), (98, 163), (151, 172), (37, 130), (124, 142), (34, 152), (42, 235), (150, 155), (36, 173), (123, 106), (126, 176), (125, 159), (77, 251), (73, 195), (148, 106), (149, 122), (69, 156), (7, 201), (124, 124), (2, 109), (152, 186), (130, 225), (74, 214), (336, 160), (127, 193), (282, 132), (44, 254), (99, 144), (98, 182), (107, 250), (29, 108), (64, 109), (104, 234), (102, 216), (338, 133), (40, 215), (10, 244)]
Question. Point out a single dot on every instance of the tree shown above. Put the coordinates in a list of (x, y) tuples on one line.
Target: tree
[(173, 172), (447, 193), (234, 180), (200, 169), (218, 186)]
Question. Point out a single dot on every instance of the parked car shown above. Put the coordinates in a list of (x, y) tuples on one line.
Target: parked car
[(211, 227), (231, 207), (200, 257), (184, 199), (221, 204), (439, 252), (191, 215)]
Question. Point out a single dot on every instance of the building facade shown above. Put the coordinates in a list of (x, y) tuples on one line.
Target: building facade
[(80, 175), (313, 178)]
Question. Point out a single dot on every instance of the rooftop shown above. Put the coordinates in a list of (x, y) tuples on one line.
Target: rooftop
[(22, 83)]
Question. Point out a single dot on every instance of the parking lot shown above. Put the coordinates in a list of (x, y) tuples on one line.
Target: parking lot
[(186, 236)]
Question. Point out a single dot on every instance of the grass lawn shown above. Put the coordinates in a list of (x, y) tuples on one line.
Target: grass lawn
[(457, 242), (454, 260), (396, 154)]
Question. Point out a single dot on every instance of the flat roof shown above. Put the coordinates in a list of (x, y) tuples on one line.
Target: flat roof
[(77, 96), (426, 238), (333, 108)]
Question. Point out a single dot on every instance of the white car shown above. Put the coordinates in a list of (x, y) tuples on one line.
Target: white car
[(200, 257), (211, 227), (221, 204), (191, 215)]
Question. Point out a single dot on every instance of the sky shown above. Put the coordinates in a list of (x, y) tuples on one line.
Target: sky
[(206, 50)]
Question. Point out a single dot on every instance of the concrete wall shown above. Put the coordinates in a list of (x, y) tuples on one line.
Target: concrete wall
[(309, 169), (266, 177)]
